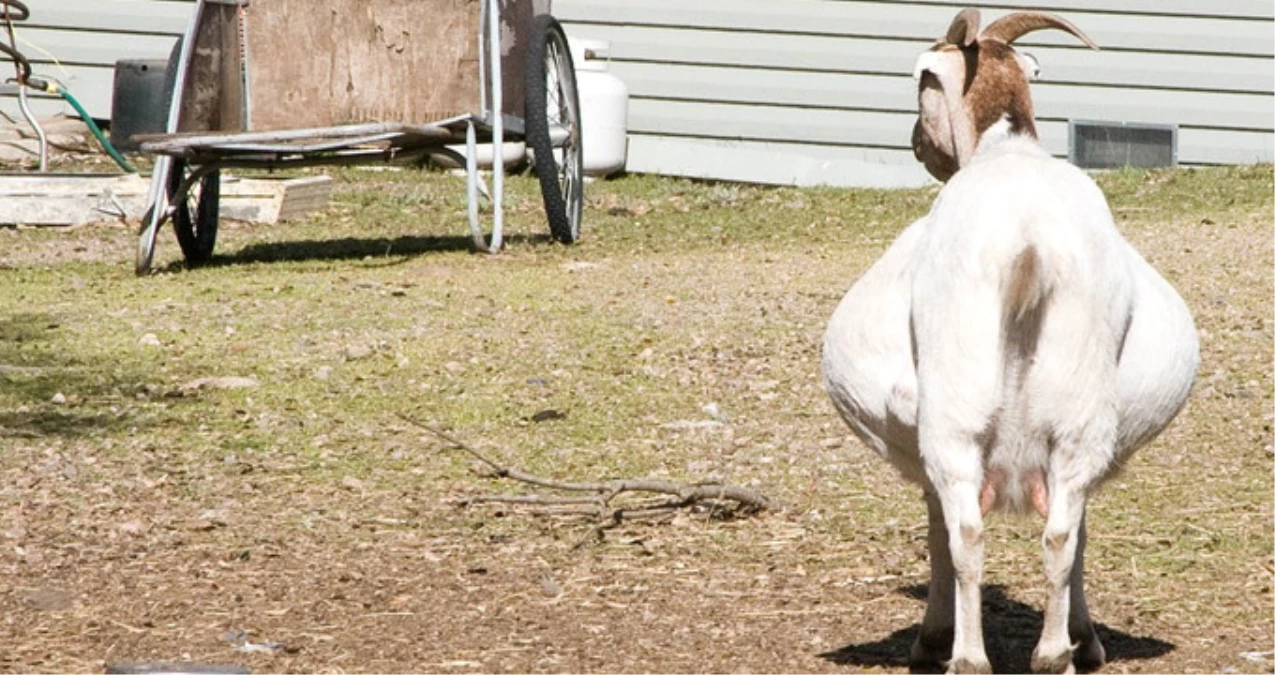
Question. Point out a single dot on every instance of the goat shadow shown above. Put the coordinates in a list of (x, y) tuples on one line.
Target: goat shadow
[(1011, 630)]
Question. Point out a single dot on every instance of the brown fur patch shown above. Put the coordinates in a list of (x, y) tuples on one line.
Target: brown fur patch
[(1023, 293), (999, 88)]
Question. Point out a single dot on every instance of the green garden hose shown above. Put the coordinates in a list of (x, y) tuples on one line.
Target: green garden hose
[(55, 88)]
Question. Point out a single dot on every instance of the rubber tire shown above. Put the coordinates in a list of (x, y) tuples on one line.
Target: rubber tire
[(197, 230), (562, 186)]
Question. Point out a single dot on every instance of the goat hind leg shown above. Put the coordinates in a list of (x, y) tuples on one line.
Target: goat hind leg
[(963, 518), (1061, 545), (1089, 653), (933, 645)]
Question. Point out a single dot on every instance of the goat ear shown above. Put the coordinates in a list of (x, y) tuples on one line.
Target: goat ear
[(1031, 67), (936, 62), (964, 29)]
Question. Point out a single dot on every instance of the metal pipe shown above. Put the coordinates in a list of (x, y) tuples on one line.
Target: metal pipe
[(471, 185), (39, 130), (497, 130)]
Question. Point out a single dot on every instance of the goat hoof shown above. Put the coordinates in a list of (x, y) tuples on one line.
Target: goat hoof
[(1090, 655), (967, 665), (930, 651), (1058, 663)]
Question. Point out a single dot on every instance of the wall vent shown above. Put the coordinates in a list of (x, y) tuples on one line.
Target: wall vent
[(1111, 145)]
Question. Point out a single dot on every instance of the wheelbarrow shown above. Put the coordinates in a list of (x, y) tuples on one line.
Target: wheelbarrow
[(275, 84)]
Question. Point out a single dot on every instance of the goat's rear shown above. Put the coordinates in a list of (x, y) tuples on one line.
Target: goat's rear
[(1010, 348)]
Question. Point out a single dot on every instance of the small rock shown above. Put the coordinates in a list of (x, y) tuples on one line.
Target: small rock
[(713, 411), (58, 399), (548, 414), (356, 352), (830, 443), (49, 600), (322, 372), (133, 527), (150, 340), (351, 483), (228, 382), (691, 424), (550, 587)]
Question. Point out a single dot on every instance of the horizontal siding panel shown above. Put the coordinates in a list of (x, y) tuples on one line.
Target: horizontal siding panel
[(862, 92), (74, 48), (912, 21), (800, 164), (630, 11), (92, 86), (1209, 146), (793, 52), (1236, 9), (739, 122), (896, 57), (733, 121), (119, 16), (767, 86), (774, 163), (1155, 70), (1236, 111), (889, 131)]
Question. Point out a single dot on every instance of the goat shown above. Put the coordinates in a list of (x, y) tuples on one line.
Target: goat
[(1010, 350)]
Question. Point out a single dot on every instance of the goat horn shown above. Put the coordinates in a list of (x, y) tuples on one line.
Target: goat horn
[(1013, 26), (964, 29)]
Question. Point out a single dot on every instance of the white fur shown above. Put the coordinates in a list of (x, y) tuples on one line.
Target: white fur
[(921, 362)]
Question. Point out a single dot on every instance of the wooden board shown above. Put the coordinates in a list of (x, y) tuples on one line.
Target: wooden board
[(319, 63), (78, 199), (273, 200)]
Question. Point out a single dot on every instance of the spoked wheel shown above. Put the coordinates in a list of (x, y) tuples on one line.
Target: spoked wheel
[(195, 213), (553, 127)]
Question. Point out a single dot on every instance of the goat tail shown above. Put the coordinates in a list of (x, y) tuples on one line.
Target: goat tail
[(1027, 288), (1016, 460)]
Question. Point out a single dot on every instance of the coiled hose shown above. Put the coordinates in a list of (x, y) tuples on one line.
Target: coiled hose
[(16, 10)]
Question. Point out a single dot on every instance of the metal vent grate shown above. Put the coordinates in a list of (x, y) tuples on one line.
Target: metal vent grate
[(1111, 145)]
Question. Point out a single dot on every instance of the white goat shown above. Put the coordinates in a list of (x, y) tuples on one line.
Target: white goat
[(1010, 349)]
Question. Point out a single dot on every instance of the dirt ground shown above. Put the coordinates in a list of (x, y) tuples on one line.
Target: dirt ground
[(123, 539)]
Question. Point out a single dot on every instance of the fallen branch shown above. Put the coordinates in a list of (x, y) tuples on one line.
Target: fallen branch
[(598, 503)]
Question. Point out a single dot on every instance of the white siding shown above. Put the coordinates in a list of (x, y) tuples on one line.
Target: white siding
[(813, 91), (77, 42), (819, 91)]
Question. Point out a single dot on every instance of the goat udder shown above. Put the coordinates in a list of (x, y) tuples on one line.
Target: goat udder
[(1039, 493), (994, 482)]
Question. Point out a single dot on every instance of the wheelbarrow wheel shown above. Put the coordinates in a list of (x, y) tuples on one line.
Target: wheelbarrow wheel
[(195, 213), (553, 127)]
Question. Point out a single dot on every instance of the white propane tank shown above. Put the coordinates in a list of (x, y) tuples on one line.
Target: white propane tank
[(604, 108)]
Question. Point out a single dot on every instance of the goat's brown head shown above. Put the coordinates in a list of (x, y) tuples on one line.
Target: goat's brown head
[(970, 80)]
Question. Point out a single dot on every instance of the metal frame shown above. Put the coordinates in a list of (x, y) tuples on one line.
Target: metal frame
[(349, 144)]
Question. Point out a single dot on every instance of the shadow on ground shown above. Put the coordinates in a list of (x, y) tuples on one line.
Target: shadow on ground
[(1010, 629), (393, 250), (43, 379)]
